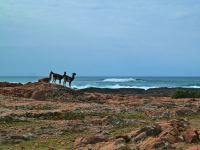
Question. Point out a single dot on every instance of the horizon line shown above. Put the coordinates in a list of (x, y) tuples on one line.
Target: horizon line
[(102, 76)]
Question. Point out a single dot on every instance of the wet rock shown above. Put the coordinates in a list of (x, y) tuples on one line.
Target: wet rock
[(6, 84)]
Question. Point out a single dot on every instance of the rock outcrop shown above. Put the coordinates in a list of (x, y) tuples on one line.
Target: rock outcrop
[(7, 84), (162, 135), (39, 91)]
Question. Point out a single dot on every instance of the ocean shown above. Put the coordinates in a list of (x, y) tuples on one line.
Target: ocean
[(119, 82)]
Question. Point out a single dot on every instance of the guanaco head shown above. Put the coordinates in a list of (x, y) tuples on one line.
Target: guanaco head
[(51, 73)]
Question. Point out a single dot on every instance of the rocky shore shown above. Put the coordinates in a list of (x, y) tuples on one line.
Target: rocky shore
[(161, 92), (48, 116)]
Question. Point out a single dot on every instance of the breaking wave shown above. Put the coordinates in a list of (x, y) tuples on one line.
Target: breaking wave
[(116, 86), (192, 86), (119, 80)]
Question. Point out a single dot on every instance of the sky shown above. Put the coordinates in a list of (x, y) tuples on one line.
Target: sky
[(100, 37)]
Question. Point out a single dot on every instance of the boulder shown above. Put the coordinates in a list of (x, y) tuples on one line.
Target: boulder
[(164, 135)]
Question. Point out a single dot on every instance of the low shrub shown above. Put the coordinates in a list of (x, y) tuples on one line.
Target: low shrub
[(186, 94)]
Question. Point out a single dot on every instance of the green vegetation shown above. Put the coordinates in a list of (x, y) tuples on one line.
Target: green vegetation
[(35, 107), (121, 130), (65, 116), (46, 143), (82, 115), (186, 94)]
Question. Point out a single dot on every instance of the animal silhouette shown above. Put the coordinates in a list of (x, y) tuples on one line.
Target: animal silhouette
[(57, 76), (68, 79)]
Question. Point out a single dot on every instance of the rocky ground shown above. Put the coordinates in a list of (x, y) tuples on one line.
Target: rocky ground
[(50, 117)]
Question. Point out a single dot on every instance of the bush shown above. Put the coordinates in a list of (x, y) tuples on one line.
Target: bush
[(186, 94)]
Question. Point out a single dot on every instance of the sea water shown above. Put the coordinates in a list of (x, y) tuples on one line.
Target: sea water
[(119, 82)]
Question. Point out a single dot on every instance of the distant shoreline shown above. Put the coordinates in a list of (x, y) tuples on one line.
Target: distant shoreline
[(154, 92), (157, 92), (111, 83)]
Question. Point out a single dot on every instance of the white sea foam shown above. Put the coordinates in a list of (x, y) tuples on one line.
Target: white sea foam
[(116, 86), (83, 86), (192, 86), (119, 80)]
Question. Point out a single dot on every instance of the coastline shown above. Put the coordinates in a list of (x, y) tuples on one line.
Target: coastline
[(166, 92), (120, 82), (155, 92)]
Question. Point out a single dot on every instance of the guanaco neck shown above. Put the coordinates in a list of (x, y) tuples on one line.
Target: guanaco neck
[(50, 75), (73, 76)]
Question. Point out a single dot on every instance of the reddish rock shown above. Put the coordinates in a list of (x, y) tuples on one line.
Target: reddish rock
[(140, 137), (100, 143), (134, 133), (39, 90), (38, 95), (118, 144), (127, 138), (191, 136), (96, 139), (151, 143), (195, 147), (172, 132), (81, 142), (28, 94)]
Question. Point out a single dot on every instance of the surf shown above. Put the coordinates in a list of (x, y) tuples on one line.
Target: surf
[(120, 80)]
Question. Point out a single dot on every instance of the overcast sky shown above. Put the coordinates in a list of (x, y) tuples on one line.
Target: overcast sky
[(100, 37)]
